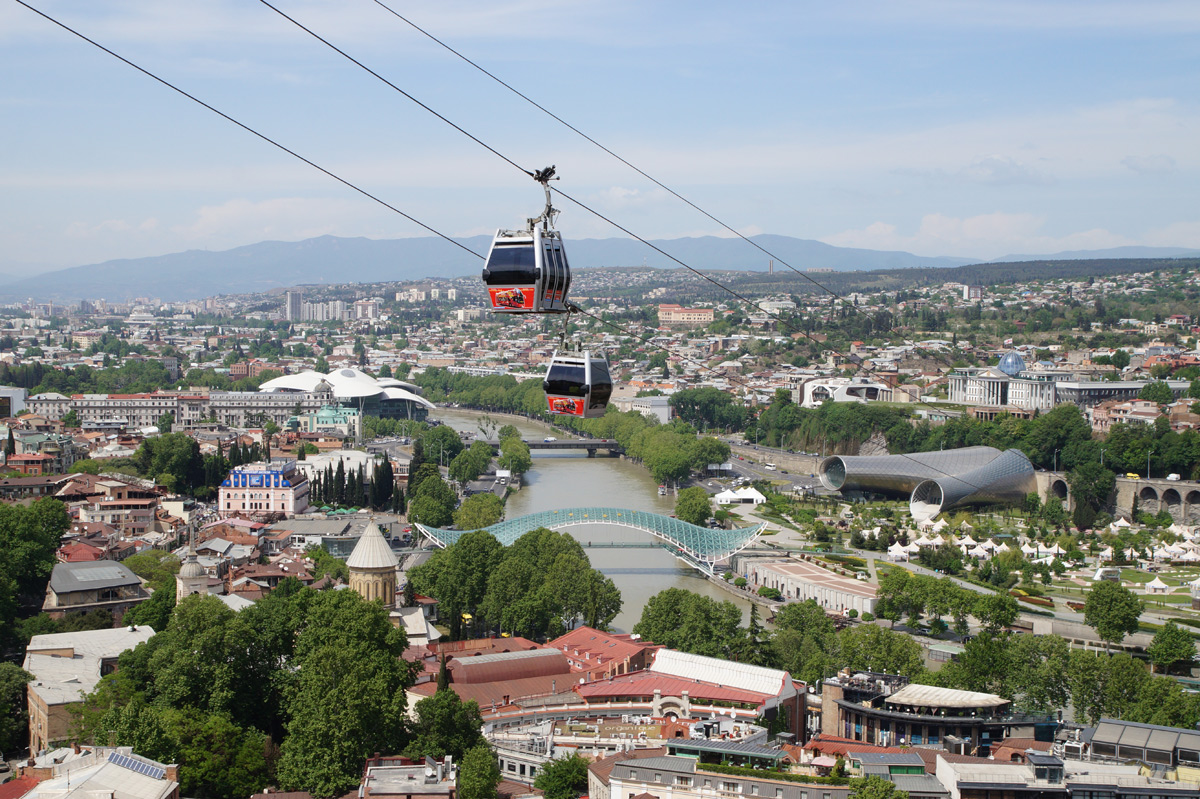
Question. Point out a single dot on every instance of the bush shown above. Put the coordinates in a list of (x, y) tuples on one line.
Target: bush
[(740, 582), (868, 616), (853, 613), (769, 593), (742, 771)]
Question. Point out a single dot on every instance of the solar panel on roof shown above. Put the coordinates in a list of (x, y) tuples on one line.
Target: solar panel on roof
[(100, 573), (140, 766)]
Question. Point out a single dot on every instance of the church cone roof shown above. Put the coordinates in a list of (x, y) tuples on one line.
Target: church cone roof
[(372, 551)]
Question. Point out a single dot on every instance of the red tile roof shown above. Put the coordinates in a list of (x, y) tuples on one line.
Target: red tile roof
[(14, 789), (587, 648)]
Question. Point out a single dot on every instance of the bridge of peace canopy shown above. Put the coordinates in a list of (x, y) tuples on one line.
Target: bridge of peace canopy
[(701, 546)]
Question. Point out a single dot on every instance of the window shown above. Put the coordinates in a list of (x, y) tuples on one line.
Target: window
[(730, 787)]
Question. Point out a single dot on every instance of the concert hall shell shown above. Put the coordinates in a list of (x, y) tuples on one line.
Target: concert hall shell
[(936, 481)]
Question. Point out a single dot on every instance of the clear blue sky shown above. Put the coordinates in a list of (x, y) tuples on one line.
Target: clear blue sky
[(940, 128)]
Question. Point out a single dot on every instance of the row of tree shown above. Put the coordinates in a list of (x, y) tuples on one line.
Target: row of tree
[(352, 488)]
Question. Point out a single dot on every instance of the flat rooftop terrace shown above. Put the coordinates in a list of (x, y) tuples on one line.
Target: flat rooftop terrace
[(816, 575)]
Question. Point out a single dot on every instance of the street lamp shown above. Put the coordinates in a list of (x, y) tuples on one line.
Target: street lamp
[(1148, 463), (1056, 459), (1102, 456)]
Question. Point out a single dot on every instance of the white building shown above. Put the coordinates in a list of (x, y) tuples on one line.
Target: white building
[(813, 392), (260, 488)]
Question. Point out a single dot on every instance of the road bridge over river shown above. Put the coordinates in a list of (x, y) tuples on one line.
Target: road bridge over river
[(590, 445)]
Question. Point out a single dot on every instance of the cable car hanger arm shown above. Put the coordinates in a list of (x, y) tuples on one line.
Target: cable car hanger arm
[(544, 176)]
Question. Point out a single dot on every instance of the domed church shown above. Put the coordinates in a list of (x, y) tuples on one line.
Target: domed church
[(373, 567)]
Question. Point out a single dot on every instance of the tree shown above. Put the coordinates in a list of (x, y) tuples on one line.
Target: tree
[(1112, 611), (805, 643), (563, 778), (1091, 484), (996, 611), (1157, 392), (165, 422), (875, 787), (478, 511), (514, 455), (478, 774), (29, 537), (14, 721), (683, 620), (71, 419), (348, 698), (693, 505), (1172, 647), (868, 647), (441, 444), (445, 725)]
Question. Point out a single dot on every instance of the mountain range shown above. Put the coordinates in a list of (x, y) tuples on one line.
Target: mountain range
[(331, 260)]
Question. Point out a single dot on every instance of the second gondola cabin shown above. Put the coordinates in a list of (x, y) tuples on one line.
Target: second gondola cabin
[(578, 384), (527, 272)]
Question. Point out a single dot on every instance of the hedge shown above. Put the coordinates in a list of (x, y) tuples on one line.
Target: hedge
[(742, 771)]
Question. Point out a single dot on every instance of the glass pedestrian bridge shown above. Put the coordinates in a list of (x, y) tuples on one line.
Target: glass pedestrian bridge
[(701, 546)]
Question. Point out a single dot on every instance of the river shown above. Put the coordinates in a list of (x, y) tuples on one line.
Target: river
[(571, 479)]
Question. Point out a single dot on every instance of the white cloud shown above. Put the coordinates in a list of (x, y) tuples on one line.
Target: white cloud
[(1177, 234), (286, 218), (1150, 164), (983, 236)]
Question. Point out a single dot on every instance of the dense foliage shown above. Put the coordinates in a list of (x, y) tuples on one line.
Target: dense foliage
[(317, 673), (540, 586)]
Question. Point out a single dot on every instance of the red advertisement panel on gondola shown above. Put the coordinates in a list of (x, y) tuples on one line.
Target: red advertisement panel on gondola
[(570, 406), (512, 298)]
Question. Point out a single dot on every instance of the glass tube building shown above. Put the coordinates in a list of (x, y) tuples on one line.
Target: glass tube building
[(935, 481)]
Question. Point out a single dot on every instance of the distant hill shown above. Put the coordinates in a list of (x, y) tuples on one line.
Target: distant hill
[(331, 260), (1112, 252)]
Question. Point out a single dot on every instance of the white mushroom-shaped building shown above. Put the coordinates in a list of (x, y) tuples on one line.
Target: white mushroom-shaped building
[(385, 397)]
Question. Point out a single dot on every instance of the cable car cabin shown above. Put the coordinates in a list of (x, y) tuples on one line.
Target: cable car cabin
[(527, 272), (578, 384)]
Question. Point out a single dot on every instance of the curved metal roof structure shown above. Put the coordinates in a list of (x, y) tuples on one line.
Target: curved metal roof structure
[(701, 545), (935, 481)]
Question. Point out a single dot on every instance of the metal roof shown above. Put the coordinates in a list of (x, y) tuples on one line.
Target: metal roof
[(726, 747), (700, 543), (1152, 736), (665, 763), (90, 576), (372, 551)]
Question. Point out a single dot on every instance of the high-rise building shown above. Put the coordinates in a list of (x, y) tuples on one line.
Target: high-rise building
[(293, 305)]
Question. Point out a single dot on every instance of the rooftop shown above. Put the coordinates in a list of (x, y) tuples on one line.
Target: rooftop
[(756, 679), (932, 696), (90, 576)]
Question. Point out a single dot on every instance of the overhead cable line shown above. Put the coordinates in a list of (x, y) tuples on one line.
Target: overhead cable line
[(244, 126), (637, 169), (852, 358), (751, 303), (857, 361)]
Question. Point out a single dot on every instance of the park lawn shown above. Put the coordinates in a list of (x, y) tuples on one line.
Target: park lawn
[(1135, 576), (1170, 599)]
